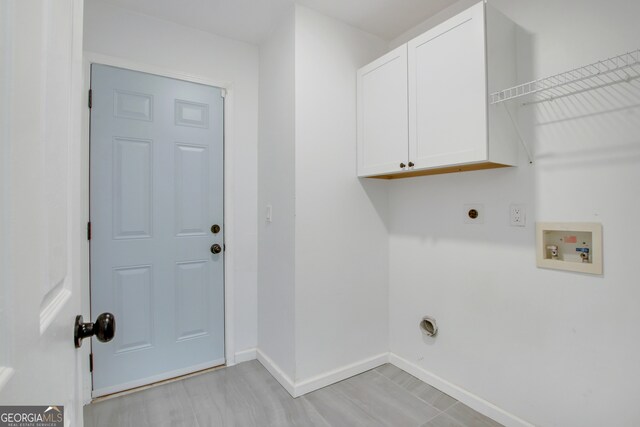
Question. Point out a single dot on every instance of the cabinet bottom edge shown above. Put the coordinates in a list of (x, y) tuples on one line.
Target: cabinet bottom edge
[(438, 171)]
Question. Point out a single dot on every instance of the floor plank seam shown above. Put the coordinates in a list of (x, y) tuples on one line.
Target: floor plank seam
[(326, 421), (433, 418), (398, 386), (414, 394), (193, 409), (411, 393)]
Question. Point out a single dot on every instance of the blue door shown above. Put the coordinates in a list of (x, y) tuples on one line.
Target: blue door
[(156, 213)]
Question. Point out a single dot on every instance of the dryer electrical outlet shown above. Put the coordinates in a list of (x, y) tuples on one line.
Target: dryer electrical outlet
[(473, 213)]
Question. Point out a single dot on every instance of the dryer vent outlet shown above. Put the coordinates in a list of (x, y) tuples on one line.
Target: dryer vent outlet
[(428, 326)]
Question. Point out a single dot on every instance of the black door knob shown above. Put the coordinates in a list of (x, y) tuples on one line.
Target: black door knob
[(216, 248), (104, 329)]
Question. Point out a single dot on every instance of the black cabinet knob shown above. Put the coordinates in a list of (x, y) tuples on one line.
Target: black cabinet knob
[(104, 329), (411, 164), (402, 165)]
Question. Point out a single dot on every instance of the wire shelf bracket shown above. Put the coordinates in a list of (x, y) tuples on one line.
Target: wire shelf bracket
[(611, 71), (519, 133)]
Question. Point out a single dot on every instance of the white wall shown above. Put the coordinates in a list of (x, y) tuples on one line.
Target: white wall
[(323, 260), (554, 348), (341, 239), (276, 187), (113, 31)]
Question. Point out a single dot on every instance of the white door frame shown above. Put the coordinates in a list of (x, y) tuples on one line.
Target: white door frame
[(95, 58)]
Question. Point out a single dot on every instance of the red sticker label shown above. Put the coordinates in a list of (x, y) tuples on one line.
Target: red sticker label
[(571, 239)]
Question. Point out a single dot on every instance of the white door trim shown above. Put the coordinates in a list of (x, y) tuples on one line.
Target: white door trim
[(95, 58)]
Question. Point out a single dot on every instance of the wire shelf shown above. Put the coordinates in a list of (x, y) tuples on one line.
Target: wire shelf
[(611, 71)]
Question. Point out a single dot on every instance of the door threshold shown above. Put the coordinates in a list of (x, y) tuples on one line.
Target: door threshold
[(155, 384)]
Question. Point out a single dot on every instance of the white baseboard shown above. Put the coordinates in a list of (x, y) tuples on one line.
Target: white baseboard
[(276, 372), (464, 396), (331, 377), (299, 388), (245, 355)]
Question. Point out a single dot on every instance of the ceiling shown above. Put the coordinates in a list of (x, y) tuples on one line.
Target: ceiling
[(252, 20), (384, 18)]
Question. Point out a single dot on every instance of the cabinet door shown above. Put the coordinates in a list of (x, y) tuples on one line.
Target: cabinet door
[(447, 92), (382, 114)]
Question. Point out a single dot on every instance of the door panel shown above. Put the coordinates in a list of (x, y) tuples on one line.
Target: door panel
[(191, 297), (447, 92), (192, 185), (133, 288), (156, 190), (129, 105), (132, 188)]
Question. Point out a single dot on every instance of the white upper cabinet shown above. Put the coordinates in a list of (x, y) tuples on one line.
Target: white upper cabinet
[(448, 96), (382, 114), (447, 124)]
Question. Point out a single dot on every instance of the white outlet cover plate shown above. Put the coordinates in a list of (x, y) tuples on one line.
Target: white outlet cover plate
[(518, 215), (479, 208)]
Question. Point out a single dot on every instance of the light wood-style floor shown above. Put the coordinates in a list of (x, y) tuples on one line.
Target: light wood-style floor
[(247, 395)]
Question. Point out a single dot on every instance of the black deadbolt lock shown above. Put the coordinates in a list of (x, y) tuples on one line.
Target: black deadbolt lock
[(215, 228), (104, 329)]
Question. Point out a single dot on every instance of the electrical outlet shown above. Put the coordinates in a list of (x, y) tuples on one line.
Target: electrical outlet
[(518, 215), (473, 213)]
